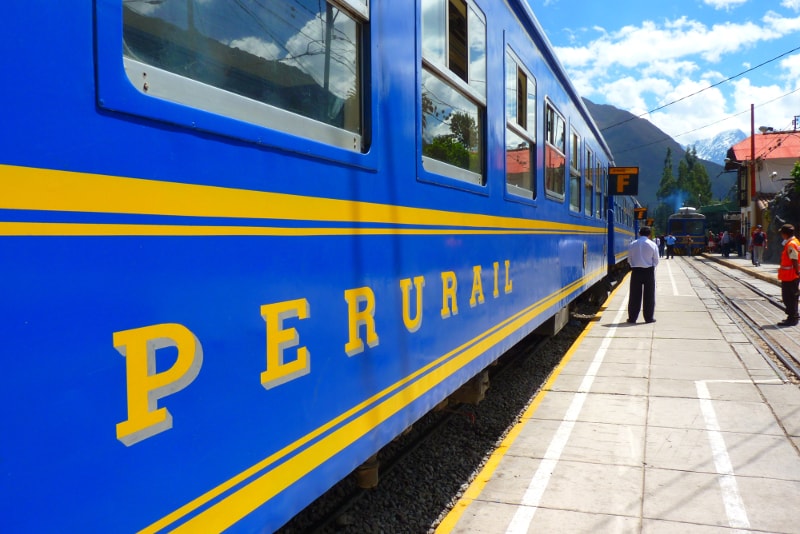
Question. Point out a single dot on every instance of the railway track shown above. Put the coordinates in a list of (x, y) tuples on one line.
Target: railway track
[(756, 307)]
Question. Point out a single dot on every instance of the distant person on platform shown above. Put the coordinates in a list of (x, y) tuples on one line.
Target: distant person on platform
[(759, 244), (789, 274), (726, 244), (643, 258), (670, 241)]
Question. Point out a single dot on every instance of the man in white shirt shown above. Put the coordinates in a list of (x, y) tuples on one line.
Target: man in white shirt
[(643, 258)]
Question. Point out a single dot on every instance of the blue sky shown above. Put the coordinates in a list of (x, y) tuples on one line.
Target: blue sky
[(639, 55)]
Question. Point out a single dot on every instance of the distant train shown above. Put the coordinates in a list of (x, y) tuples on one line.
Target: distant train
[(244, 245), (689, 228)]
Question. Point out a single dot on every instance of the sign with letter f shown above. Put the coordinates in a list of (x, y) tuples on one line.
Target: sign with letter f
[(623, 181)]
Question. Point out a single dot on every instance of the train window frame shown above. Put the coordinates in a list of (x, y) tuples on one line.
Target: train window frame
[(521, 110), (605, 190), (575, 166), (588, 183), (463, 75), (555, 146), (599, 189), (128, 85)]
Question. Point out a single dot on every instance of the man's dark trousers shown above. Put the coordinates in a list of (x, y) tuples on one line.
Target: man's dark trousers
[(643, 282), (789, 293)]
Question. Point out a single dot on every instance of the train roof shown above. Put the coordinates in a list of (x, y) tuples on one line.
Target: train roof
[(548, 51), (687, 213)]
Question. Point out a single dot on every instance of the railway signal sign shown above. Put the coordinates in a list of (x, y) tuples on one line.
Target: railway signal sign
[(623, 181), (641, 213)]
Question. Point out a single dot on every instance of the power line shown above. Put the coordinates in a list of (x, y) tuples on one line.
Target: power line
[(668, 138), (701, 90), (740, 113)]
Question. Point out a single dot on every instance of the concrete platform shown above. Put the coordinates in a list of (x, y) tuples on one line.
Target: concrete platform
[(675, 426), (767, 272)]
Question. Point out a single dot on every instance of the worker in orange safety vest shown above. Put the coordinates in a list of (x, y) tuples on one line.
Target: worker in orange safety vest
[(789, 274)]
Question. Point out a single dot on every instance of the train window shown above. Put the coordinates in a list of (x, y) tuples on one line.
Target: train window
[(598, 190), (695, 226), (520, 129), (606, 201), (555, 160), (588, 184), (575, 172), (453, 89), (291, 65)]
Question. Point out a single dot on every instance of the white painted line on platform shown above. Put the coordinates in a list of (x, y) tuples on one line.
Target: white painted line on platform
[(734, 507), (521, 522), (672, 279)]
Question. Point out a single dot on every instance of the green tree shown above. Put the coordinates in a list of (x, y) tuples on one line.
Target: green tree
[(701, 185), (464, 130), (667, 185), (683, 182), (796, 176), (448, 149), (693, 179)]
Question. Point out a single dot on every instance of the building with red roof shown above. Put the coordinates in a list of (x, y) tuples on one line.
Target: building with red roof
[(764, 162)]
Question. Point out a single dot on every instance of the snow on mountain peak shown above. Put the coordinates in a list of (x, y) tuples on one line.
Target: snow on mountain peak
[(716, 148)]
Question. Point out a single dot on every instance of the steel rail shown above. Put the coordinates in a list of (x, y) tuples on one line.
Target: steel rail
[(785, 359)]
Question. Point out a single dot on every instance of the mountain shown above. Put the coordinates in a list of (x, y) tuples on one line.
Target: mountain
[(716, 148), (637, 142)]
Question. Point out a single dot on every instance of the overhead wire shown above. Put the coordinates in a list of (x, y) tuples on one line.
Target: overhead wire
[(670, 138), (701, 90)]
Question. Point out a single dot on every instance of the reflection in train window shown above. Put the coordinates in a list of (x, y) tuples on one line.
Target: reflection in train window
[(520, 129), (554, 156), (453, 89), (575, 172), (599, 211), (588, 184), (298, 56)]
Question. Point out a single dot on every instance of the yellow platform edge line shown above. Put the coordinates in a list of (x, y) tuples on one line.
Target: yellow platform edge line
[(482, 478)]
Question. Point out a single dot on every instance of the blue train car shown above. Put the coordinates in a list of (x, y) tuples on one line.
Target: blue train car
[(689, 228), (622, 230), (246, 244)]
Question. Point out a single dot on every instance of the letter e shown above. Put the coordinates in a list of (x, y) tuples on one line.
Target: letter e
[(279, 339)]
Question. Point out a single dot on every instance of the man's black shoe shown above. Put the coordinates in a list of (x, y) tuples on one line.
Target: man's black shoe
[(788, 322), (651, 321), (630, 321)]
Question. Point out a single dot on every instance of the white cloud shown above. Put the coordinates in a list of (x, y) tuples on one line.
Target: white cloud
[(670, 68), (779, 25), (791, 65), (791, 4), (688, 114), (258, 47), (641, 67), (772, 108), (626, 93), (676, 40), (724, 4)]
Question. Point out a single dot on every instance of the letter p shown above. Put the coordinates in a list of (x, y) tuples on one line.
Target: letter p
[(145, 385)]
